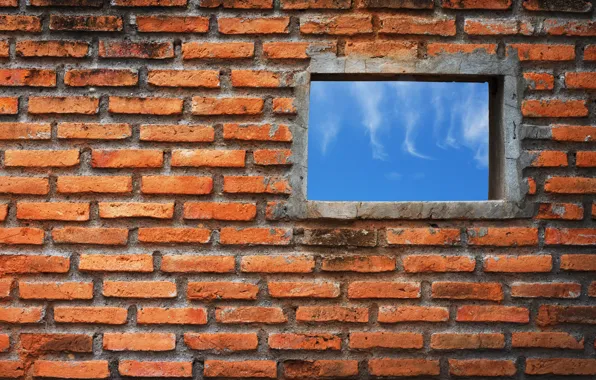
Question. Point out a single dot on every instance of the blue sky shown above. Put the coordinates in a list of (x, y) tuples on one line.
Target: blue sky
[(398, 141)]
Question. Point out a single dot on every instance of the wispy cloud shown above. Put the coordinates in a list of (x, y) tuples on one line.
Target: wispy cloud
[(329, 132), (369, 96)]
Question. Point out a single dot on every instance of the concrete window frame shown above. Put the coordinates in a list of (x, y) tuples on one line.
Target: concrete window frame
[(507, 187)]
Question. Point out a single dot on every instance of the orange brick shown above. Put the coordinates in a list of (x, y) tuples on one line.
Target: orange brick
[(135, 368), (90, 314), (127, 158), (560, 211), (172, 24), (575, 133), (163, 235), (25, 131), (141, 50), (390, 340), (217, 50), (221, 342), (272, 157), (488, 291), (482, 367), (539, 81), (503, 237), (554, 108), (417, 25), (585, 159), (86, 23), (477, 4), (297, 50), (184, 78), (435, 49), (56, 290), (10, 264), (403, 367), (256, 78), (362, 264), (19, 315), (256, 236), (548, 158), (92, 369), (423, 236), (115, 263), (27, 77), (89, 235), (531, 186), (63, 105), (545, 290), (52, 48), (101, 77), (332, 314), (226, 106), (456, 341), (438, 263), (270, 25), (256, 185), (94, 131), (238, 4), (150, 3), (518, 264), (546, 340), (250, 314), (383, 289), (14, 23), (136, 210), (248, 368), (208, 158), (309, 341), (578, 262), (197, 264), (397, 50), (4, 48), (315, 4), (12, 369), (21, 235), (220, 211), (277, 264), (24, 185), (9, 106), (4, 344), (491, 27), (176, 133), (257, 132), (303, 289), (139, 289), (210, 291), (139, 341), (508, 314), (590, 53), (53, 211), (550, 315), (558, 6), (337, 25), (570, 236), (146, 106), (320, 369), (41, 158), (171, 316), (560, 366), (158, 184), (543, 52), (284, 106), (570, 185), (6, 285)]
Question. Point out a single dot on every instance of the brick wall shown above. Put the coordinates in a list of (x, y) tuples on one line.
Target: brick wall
[(146, 153)]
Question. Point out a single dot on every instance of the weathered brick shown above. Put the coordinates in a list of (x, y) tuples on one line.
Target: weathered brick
[(250, 314), (307, 341), (126, 158), (477, 4), (570, 185), (277, 264), (176, 133), (66, 3), (92, 369), (398, 4), (391, 340), (337, 25), (581, 80), (508, 314), (139, 341), (63, 105), (27, 77), (172, 24), (163, 184), (546, 340), (288, 289), (52, 48), (6, 285), (570, 236), (10, 264), (403, 367), (55, 290), (590, 53), (12, 369), (585, 159), (491, 27), (383, 289), (115, 263), (543, 52), (220, 211), (90, 314), (41, 158), (460, 341), (550, 315), (141, 50), (197, 264), (362, 264), (332, 314), (21, 235), (94, 131), (184, 78), (489, 291), (162, 235), (101, 77), (238, 4), (226, 106), (423, 236), (315, 4), (557, 6), (548, 159), (256, 78), (284, 106), (35, 343), (396, 314), (503, 237), (539, 81), (9, 106), (297, 50), (256, 185), (340, 237), (53, 211), (149, 3), (171, 316), (24, 185), (174, 369), (90, 235), (211, 291), (560, 366), (578, 262), (111, 210), (546, 290), (397, 50), (255, 236), (560, 211), (271, 25), (417, 25), (320, 369), (438, 263), (21, 315), (574, 133), (518, 263), (482, 367), (221, 342), (578, 28), (139, 289), (217, 50), (248, 368), (86, 23), (19, 23), (435, 49)]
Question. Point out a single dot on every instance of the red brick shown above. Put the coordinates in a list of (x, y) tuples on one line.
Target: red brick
[(167, 184), (578, 28), (250, 314), (438, 263), (90, 235), (184, 78), (92, 369), (141, 50), (238, 4), (221, 342), (174, 235), (135, 368), (217, 50), (4, 343), (136, 210), (4, 48), (53, 211), (25, 131), (197, 264), (41, 158), (149, 3), (383, 289), (491, 27), (63, 105), (212, 291), (277, 264), (307, 341), (403, 367), (27, 77), (417, 25), (226, 106), (139, 289), (303, 289), (21, 315), (548, 159), (256, 185), (271, 25), (86, 23), (139, 341), (546, 340), (296, 50), (66, 3), (557, 6), (560, 366), (94, 131), (24, 185), (145, 106), (171, 316), (55, 290), (12, 369), (6, 285), (115, 263), (489, 291), (332, 314), (560, 211), (21, 235), (172, 24), (208, 158), (52, 48), (570, 185), (508, 314), (423, 236), (90, 314), (531, 186), (590, 53), (176, 133), (101, 77), (570, 236), (456, 341), (578, 262), (35, 344), (220, 211), (362, 264), (503, 237), (477, 4), (240, 369), (550, 315), (256, 78), (390, 340), (543, 52), (255, 236), (127, 158), (284, 106), (315, 4), (9, 106), (397, 50), (539, 81), (585, 159), (482, 367), (435, 49), (10, 264), (396, 314), (573, 133), (518, 263), (14, 23), (320, 369), (546, 290), (581, 80), (337, 25)]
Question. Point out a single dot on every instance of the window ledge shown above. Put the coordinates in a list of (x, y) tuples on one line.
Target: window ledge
[(418, 210)]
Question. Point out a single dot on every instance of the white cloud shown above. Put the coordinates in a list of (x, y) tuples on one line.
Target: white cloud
[(369, 96), (329, 132)]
